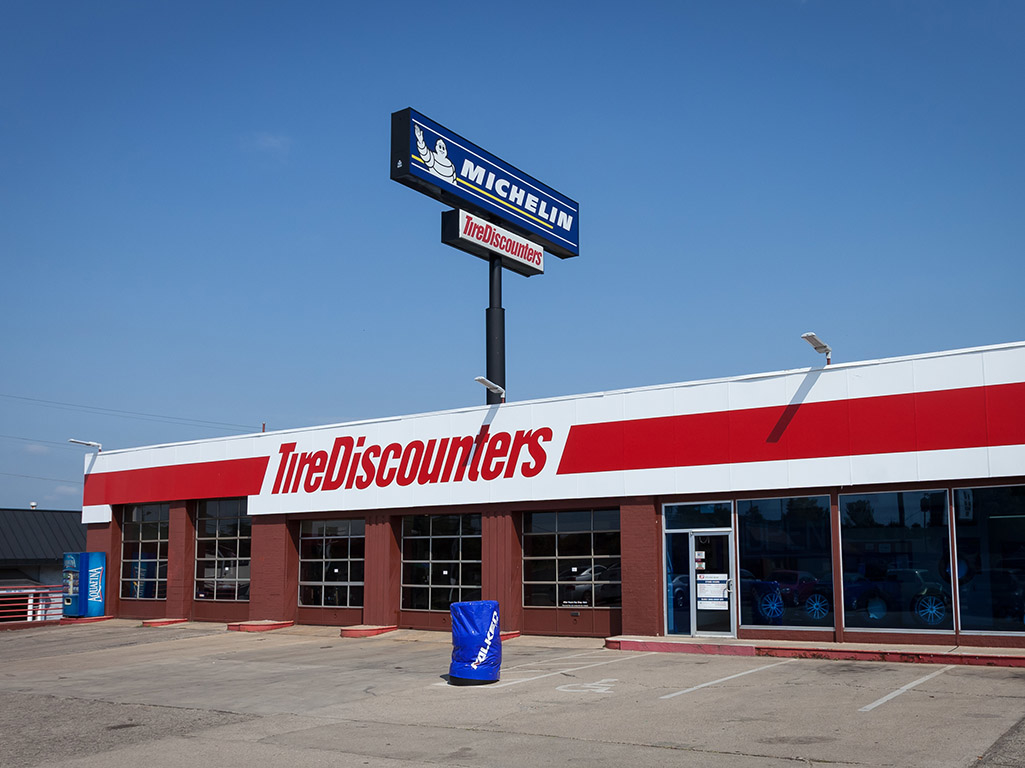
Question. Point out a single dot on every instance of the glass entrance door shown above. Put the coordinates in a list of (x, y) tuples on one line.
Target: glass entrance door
[(699, 583), (712, 584)]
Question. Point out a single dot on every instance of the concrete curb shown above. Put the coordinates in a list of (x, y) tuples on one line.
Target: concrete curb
[(83, 620), (830, 653), (258, 626), (366, 630), (162, 622), (904, 657)]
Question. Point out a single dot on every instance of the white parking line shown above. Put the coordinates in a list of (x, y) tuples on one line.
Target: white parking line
[(907, 687), (552, 674), (535, 663), (724, 679), (572, 669)]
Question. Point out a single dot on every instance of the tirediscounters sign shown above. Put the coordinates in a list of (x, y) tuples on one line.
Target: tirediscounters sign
[(469, 233), (441, 164), (925, 419)]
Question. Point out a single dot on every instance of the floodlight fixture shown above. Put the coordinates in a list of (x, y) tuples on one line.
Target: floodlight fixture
[(820, 346), (90, 443), (491, 387)]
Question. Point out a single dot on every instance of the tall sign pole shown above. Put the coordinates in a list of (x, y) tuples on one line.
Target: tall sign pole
[(495, 329), (501, 214)]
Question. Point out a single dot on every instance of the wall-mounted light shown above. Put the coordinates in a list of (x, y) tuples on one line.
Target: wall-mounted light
[(90, 443), (820, 346), (491, 387)]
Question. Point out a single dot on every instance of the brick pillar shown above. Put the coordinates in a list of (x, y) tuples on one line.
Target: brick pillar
[(838, 609), (181, 561), (502, 563), (382, 570), (106, 537), (641, 543), (273, 572)]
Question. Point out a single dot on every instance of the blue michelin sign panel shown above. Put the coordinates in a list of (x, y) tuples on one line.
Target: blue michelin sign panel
[(441, 164)]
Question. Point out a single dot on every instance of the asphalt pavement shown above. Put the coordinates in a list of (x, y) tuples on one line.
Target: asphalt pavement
[(115, 694)]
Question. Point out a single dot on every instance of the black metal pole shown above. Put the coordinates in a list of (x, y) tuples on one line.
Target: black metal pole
[(495, 330)]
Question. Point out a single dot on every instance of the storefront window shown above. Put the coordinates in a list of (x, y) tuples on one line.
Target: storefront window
[(331, 556), (223, 540), (896, 560), (785, 562), (144, 530), (441, 561), (990, 531), (690, 516), (571, 559)]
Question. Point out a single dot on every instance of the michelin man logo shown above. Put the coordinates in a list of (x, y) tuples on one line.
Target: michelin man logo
[(437, 162)]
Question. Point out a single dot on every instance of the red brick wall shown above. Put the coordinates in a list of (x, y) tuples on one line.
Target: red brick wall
[(502, 558), (641, 543), (273, 573), (106, 537), (382, 570), (181, 559)]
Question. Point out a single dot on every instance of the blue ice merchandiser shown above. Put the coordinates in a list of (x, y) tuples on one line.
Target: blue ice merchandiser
[(85, 576), (476, 643)]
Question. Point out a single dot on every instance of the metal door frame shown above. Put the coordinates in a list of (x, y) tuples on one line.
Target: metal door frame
[(692, 575)]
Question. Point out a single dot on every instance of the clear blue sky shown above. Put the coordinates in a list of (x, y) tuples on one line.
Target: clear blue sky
[(196, 219)]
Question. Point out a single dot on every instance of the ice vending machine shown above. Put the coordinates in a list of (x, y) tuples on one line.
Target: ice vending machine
[(85, 575)]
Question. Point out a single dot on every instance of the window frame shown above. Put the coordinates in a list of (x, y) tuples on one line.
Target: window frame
[(306, 540), (466, 588), (561, 587), (163, 524), (957, 556), (243, 543), (896, 607)]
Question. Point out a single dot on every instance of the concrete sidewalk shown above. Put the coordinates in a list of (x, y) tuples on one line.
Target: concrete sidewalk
[(724, 646), (914, 654)]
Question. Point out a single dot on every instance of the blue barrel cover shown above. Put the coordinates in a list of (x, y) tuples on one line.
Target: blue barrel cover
[(476, 641)]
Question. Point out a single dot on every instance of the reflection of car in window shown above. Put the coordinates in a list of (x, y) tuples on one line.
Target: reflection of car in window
[(610, 589), (226, 578), (816, 598), (765, 597), (791, 583), (588, 574), (996, 593), (602, 582), (681, 591), (901, 590), (911, 589)]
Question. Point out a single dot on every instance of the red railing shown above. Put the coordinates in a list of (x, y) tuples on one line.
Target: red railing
[(42, 603)]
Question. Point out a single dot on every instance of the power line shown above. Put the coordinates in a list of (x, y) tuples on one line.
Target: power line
[(65, 446), (129, 414), (52, 479)]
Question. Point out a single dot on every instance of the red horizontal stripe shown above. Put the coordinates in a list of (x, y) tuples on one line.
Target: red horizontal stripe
[(208, 480), (923, 421)]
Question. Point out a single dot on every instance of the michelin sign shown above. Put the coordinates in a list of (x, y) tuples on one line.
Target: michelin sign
[(441, 164)]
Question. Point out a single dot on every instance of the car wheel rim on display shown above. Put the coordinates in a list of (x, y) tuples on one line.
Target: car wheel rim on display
[(931, 610), (771, 606), (817, 607)]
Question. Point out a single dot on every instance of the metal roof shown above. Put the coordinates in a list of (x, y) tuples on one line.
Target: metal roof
[(39, 536)]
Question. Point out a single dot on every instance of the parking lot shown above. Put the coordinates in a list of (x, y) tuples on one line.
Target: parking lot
[(117, 694)]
